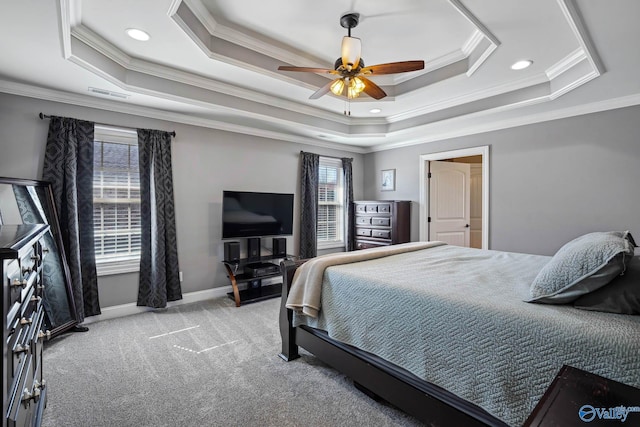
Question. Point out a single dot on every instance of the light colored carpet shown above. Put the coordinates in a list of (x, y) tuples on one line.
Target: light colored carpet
[(202, 364)]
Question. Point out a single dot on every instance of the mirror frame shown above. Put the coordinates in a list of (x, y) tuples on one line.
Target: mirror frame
[(54, 225)]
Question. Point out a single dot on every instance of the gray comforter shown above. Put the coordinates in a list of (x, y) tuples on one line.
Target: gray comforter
[(456, 317)]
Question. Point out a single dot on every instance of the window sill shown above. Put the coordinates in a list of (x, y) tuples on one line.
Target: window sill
[(330, 245), (107, 268)]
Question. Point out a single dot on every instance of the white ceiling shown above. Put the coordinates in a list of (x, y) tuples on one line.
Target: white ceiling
[(214, 63)]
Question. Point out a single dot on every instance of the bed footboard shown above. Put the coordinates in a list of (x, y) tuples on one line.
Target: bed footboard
[(287, 331)]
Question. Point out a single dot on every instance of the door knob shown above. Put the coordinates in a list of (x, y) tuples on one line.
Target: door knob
[(466, 226)]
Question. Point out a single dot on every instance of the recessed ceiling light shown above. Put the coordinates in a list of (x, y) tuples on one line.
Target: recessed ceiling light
[(375, 110), (137, 34), (521, 65)]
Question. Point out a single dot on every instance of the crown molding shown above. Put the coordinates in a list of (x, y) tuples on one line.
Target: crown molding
[(224, 32), (290, 56), (570, 62), (469, 97), (475, 21), (430, 66), (66, 23), (46, 94), (87, 49), (481, 59), (163, 72), (481, 34), (574, 19), (565, 64), (489, 126), (94, 41), (572, 85), (472, 43), (173, 7)]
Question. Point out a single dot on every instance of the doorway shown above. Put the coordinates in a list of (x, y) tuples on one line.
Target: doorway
[(473, 230)]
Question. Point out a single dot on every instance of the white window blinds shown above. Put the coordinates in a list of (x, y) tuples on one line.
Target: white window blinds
[(330, 204), (116, 204)]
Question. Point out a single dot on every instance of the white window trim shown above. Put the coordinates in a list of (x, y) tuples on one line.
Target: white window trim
[(336, 243), (123, 264)]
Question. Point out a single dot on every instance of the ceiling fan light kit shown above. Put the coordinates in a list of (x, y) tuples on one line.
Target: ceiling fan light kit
[(351, 69), (351, 50)]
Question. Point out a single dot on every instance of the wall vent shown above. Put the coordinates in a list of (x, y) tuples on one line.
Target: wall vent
[(106, 92)]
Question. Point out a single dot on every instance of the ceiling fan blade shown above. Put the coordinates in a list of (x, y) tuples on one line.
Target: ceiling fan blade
[(372, 89), (351, 50), (393, 67), (307, 69), (323, 90)]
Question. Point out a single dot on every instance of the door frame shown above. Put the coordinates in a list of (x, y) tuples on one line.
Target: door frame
[(424, 188)]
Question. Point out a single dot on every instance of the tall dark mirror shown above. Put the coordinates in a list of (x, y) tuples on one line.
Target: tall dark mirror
[(31, 202)]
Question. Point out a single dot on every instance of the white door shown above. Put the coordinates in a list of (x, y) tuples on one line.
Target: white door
[(476, 206), (449, 202)]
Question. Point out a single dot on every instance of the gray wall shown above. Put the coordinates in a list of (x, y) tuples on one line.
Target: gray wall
[(549, 182), (205, 161)]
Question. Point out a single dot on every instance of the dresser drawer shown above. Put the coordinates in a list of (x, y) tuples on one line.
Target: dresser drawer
[(363, 220), (363, 232), (15, 282), (19, 348), (23, 396), (24, 317), (360, 244), (22, 331), (37, 343), (373, 208), (30, 261), (381, 221), (382, 234)]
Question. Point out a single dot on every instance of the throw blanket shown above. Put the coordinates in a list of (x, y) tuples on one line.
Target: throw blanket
[(305, 293)]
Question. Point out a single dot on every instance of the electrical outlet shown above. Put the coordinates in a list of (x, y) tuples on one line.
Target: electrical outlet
[(181, 276)]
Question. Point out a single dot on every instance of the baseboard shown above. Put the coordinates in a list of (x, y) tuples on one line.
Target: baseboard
[(122, 310)]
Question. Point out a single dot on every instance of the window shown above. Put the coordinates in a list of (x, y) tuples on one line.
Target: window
[(116, 200), (330, 204)]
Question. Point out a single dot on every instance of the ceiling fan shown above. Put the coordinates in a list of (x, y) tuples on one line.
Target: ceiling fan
[(351, 70)]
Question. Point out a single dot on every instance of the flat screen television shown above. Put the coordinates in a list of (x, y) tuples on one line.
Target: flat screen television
[(252, 214)]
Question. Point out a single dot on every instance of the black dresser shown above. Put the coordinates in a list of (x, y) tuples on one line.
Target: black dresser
[(24, 392), (381, 223)]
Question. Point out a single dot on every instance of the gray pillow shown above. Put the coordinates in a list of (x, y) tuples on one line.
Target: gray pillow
[(621, 295), (581, 266)]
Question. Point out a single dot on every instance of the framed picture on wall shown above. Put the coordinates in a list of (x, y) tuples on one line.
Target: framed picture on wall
[(388, 180)]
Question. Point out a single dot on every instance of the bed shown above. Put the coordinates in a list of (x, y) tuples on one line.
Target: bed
[(443, 332)]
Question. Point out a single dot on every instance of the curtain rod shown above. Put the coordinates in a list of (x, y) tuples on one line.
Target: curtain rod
[(330, 157), (44, 116)]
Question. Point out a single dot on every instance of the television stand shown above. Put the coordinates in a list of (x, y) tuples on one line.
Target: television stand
[(246, 279)]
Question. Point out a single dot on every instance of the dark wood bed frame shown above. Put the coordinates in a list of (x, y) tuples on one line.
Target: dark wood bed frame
[(427, 402)]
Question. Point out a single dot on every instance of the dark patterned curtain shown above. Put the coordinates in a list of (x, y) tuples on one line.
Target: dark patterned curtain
[(309, 181), (159, 270), (348, 202), (68, 165)]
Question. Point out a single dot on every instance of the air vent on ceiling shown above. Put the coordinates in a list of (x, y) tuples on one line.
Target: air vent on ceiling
[(108, 93)]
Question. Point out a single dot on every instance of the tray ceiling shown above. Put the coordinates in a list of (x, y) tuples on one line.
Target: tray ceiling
[(214, 63)]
